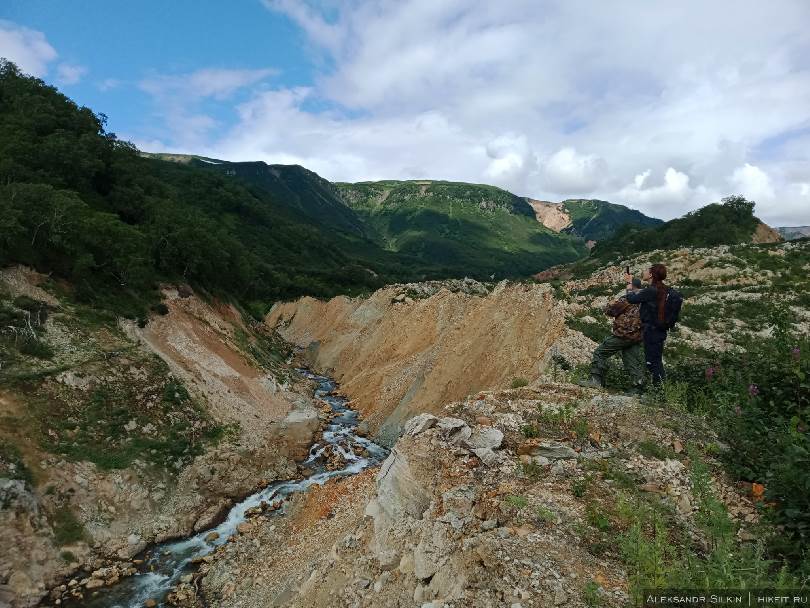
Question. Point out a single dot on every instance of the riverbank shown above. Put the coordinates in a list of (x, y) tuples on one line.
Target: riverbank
[(167, 573)]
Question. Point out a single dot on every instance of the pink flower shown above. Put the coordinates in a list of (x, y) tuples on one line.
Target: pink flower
[(796, 353), (753, 390), (710, 371)]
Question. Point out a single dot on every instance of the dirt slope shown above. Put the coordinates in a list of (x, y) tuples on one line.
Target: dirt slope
[(765, 234), (409, 349), (75, 488), (551, 215)]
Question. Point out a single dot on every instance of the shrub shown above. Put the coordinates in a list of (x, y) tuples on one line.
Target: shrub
[(35, 348), (530, 430), (66, 528), (653, 449), (760, 403), (161, 309), (68, 557), (519, 382), (518, 502)]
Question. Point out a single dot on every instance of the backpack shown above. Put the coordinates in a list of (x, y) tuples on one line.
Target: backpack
[(672, 309), (626, 320)]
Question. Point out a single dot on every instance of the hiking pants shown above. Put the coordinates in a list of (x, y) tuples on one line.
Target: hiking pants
[(632, 358), (654, 352)]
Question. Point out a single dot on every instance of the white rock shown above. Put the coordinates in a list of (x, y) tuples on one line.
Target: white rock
[(487, 456), (485, 437), (419, 424)]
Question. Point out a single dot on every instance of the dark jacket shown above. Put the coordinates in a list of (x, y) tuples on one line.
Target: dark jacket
[(648, 299)]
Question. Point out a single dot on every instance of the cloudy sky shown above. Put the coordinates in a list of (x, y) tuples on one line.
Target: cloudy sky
[(661, 106)]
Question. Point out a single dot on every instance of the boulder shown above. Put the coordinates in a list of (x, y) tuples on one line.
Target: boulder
[(553, 450), (485, 437), (487, 456), (419, 424), (431, 552), (454, 430)]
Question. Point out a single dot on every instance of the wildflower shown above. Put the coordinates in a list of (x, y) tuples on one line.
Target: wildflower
[(710, 371), (753, 390), (796, 352), (738, 410)]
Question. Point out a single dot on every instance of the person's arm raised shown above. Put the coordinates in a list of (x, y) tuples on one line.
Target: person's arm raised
[(648, 294)]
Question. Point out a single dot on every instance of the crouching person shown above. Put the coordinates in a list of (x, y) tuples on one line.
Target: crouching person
[(625, 339)]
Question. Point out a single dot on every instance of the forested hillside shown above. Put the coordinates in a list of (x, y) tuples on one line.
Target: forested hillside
[(726, 223), (477, 228), (597, 220)]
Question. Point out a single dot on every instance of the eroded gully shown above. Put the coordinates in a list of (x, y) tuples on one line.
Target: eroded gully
[(166, 563)]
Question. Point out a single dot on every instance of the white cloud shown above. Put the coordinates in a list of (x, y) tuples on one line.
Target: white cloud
[(510, 160), (28, 48), (567, 172), (210, 82), (176, 98), (67, 73), (753, 183), (109, 84), (674, 191), (656, 106)]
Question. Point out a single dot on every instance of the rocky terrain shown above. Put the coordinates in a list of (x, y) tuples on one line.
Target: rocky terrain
[(730, 291), (409, 349), (117, 436), (506, 483), (508, 498)]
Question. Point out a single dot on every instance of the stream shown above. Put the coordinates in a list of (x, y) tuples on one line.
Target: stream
[(165, 563)]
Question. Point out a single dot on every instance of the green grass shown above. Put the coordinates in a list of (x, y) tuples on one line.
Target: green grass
[(658, 553), (518, 502), (653, 449), (11, 463), (591, 596), (546, 515), (519, 382), (67, 529), (580, 487), (530, 430), (94, 428), (699, 316), (595, 331)]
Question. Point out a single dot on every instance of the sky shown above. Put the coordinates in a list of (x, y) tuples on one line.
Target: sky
[(664, 107)]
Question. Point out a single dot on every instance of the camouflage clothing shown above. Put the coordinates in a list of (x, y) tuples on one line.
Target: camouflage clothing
[(626, 339), (632, 358), (626, 319)]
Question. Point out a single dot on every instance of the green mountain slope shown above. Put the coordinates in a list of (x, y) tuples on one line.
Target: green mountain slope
[(726, 223), (478, 229), (292, 185), (79, 204), (596, 220)]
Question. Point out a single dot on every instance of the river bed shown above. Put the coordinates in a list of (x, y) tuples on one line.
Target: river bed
[(164, 564)]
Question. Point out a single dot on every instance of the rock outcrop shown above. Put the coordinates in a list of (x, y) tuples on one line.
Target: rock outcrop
[(438, 526), (71, 511), (409, 349)]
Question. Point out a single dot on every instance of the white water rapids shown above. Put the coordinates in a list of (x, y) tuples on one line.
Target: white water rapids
[(165, 563)]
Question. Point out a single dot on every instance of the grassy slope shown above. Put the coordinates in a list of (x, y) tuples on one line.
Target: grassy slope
[(728, 223), (738, 361), (598, 220), (480, 229)]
